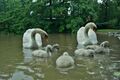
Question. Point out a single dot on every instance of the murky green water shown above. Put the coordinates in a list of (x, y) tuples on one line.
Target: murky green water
[(16, 65)]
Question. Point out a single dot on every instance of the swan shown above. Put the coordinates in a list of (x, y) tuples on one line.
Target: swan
[(33, 38), (43, 53), (102, 48), (55, 47), (84, 52), (86, 35), (65, 61)]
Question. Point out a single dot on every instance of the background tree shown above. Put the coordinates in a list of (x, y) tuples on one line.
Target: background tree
[(56, 15)]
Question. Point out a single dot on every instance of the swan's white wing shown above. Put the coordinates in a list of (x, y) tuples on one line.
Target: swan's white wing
[(27, 42), (80, 37), (92, 36), (38, 39)]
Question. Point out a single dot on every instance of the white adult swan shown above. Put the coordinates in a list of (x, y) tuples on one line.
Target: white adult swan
[(86, 35), (33, 38)]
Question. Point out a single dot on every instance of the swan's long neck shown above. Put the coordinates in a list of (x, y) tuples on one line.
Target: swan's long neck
[(34, 43), (43, 33), (33, 34), (88, 26), (86, 32), (87, 40)]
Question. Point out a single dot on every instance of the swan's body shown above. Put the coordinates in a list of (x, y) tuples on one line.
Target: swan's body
[(84, 52), (102, 48), (43, 53), (64, 61), (32, 38), (86, 35)]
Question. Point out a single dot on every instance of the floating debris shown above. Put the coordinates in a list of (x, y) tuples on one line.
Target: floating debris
[(117, 74), (38, 69), (101, 67), (4, 75), (19, 75), (25, 68), (81, 65), (63, 72), (30, 70), (116, 61), (22, 67), (40, 75), (90, 72)]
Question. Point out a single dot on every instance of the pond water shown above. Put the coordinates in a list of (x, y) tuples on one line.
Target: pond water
[(18, 64)]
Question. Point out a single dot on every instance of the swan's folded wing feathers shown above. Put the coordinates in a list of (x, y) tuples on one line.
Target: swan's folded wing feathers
[(92, 36), (80, 37)]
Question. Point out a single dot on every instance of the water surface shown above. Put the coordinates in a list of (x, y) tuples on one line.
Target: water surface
[(18, 64)]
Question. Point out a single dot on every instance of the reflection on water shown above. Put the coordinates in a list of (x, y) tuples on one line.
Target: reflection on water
[(18, 64), (27, 55), (20, 75)]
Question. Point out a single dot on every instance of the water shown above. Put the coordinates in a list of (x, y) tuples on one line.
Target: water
[(16, 65)]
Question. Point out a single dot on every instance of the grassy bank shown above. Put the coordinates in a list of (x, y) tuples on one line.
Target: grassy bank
[(108, 30)]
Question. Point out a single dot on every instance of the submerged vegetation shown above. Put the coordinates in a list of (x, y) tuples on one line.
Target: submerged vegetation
[(57, 15)]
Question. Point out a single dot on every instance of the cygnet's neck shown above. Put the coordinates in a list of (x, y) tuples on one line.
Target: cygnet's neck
[(48, 51)]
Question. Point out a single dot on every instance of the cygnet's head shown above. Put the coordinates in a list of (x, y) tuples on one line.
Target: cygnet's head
[(49, 48), (55, 47), (105, 44), (65, 54)]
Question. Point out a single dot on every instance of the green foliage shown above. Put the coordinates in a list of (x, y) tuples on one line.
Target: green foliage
[(109, 12), (74, 24), (15, 15), (113, 23)]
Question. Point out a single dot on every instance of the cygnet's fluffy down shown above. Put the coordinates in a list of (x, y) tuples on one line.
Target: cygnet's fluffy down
[(84, 52), (43, 53), (102, 48), (65, 61)]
